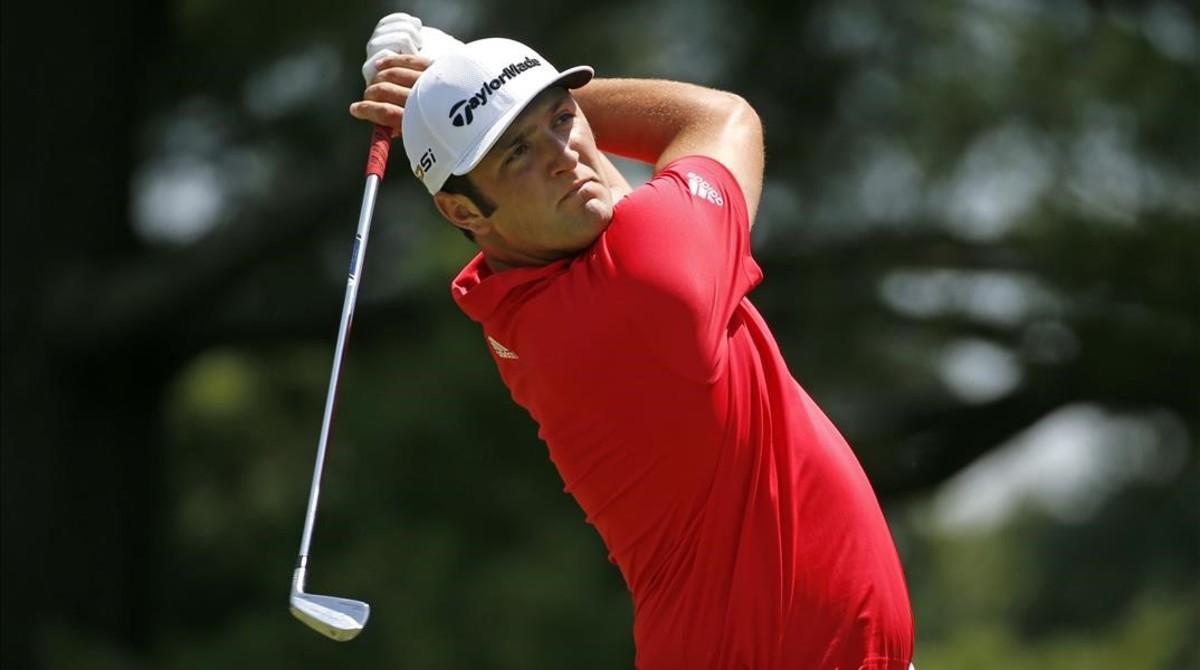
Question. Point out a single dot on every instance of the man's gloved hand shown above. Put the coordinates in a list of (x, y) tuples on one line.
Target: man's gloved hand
[(402, 33), (398, 52)]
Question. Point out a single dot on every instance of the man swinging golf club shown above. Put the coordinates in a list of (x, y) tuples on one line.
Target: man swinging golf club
[(741, 521)]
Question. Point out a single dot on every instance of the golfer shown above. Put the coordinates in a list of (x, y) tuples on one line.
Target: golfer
[(741, 521)]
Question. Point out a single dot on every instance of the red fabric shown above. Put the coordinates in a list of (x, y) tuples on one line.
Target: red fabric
[(741, 521)]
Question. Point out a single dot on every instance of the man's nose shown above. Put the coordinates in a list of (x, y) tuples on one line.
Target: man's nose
[(563, 158)]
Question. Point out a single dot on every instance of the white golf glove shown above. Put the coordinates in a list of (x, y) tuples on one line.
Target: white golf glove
[(402, 33)]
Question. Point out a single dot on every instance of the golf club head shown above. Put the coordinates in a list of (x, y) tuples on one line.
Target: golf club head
[(339, 619)]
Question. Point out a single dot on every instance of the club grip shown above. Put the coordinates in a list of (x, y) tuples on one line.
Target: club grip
[(381, 143)]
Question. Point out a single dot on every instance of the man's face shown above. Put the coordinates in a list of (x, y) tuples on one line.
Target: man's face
[(544, 176)]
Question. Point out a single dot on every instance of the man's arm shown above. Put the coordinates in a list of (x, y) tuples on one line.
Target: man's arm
[(658, 121)]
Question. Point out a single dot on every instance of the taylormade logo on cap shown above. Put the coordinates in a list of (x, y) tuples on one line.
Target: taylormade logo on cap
[(468, 97), (481, 98)]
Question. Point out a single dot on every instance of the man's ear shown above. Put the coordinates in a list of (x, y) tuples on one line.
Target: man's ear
[(461, 211)]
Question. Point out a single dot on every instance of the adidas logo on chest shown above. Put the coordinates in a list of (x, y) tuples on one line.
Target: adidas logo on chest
[(501, 350)]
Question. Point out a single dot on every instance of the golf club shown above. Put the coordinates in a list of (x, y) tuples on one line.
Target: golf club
[(340, 619)]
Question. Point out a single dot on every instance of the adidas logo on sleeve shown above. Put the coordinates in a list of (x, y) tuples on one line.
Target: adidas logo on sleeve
[(702, 189)]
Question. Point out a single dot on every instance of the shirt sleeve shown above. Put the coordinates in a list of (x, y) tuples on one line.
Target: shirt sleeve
[(680, 251)]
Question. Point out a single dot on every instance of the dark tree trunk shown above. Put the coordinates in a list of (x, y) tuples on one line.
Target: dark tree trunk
[(80, 498)]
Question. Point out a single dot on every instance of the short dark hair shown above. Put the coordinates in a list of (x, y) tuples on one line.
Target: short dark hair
[(462, 185)]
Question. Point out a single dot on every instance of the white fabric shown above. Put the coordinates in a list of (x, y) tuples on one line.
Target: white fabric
[(461, 105), (402, 33)]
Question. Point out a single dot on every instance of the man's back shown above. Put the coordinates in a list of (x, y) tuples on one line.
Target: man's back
[(741, 521)]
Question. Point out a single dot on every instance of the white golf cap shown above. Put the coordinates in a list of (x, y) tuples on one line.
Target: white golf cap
[(467, 98)]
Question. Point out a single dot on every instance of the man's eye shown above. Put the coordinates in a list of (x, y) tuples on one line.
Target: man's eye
[(517, 151), (565, 117)]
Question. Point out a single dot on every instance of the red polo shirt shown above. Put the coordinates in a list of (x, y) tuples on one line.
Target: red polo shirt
[(738, 516)]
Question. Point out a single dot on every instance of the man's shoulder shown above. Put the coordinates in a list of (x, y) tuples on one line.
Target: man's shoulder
[(692, 185)]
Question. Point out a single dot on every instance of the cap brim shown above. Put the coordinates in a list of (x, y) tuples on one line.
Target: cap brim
[(569, 78)]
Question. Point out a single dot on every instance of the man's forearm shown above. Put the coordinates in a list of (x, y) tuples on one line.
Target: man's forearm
[(657, 121), (640, 118)]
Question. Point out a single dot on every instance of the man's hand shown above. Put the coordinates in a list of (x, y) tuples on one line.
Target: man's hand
[(383, 101), (400, 49), (395, 34)]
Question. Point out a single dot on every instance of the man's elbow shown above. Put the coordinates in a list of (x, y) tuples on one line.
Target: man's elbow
[(742, 120), (746, 158)]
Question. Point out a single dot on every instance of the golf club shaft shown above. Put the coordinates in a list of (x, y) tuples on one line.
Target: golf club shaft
[(381, 140)]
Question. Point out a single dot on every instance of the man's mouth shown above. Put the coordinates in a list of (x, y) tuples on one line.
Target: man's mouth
[(575, 188)]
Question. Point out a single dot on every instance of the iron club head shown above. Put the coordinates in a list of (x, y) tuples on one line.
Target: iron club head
[(339, 619)]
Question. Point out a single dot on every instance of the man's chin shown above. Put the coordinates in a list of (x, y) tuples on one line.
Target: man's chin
[(591, 225), (598, 213)]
